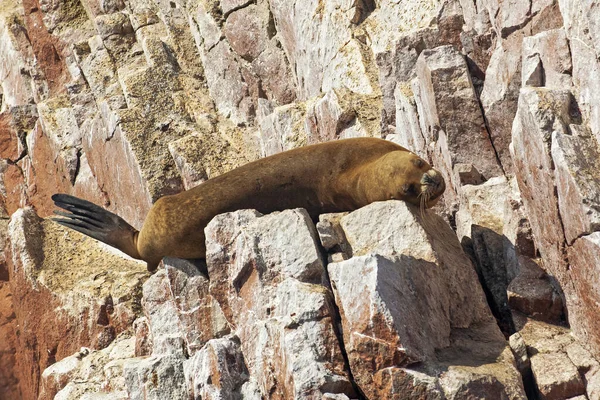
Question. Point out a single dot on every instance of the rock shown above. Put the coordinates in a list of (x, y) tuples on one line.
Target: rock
[(9, 383), (516, 225), (390, 246), (143, 340), (467, 174), (482, 205), (584, 51), (548, 53), (509, 15), (538, 169), (389, 22), (199, 314), (21, 84), (556, 376), (540, 112), (372, 284), (532, 293), (519, 349), (501, 92), (458, 382), (320, 46), (254, 64), (162, 316), (283, 129), (156, 377), (575, 158), (368, 235), (330, 231), (447, 103), (340, 114), (218, 370), (81, 303), (408, 131), (58, 375), (561, 367), (89, 374), (583, 261), (267, 275), (588, 367)]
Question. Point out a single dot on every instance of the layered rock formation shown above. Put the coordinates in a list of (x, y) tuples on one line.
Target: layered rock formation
[(494, 294)]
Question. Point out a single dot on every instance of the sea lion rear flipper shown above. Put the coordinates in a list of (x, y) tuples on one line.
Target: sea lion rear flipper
[(97, 223)]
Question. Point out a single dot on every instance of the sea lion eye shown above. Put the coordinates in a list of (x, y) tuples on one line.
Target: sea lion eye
[(418, 162), (409, 189)]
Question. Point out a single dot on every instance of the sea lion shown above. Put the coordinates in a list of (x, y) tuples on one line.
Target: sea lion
[(336, 176)]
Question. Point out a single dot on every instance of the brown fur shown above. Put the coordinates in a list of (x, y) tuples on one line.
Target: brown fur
[(336, 176)]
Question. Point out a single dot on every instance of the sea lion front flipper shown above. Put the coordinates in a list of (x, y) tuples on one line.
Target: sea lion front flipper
[(97, 223)]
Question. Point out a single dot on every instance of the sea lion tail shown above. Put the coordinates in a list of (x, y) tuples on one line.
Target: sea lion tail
[(97, 223)]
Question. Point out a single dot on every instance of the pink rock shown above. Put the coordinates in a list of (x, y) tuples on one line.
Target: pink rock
[(553, 57), (129, 197), (267, 274), (575, 159), (9, 387), (218, 370), (540, 111), (246, 31), (584, 261), (200, 316), (501, 92), (399, 307), (533, 294), (448, 103), (59, 316)]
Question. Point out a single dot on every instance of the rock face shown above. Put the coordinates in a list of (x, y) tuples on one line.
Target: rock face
[(124, 101)]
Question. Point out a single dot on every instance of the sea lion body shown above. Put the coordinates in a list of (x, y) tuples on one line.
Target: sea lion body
[(335, 176)]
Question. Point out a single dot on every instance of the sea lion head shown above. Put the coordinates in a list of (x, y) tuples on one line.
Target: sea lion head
[(410, 178)]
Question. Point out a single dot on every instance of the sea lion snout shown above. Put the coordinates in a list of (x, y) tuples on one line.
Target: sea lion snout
[(433, 183)]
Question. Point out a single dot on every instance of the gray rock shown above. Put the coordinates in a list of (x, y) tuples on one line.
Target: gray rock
[(156, 377)]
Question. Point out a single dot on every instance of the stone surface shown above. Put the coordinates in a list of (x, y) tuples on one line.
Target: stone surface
[(501, 92), (397, 254), (218, 370), (532, 293), (341, 114), (448, 108), (550, 55), (576, 157), (267, 275), (155, 377), (9, 383), (540, 112), (123, 101), (83, 303), (556, 376), (583, 258)]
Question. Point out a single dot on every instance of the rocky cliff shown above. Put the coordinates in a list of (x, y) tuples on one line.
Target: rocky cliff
[(494, 294)]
